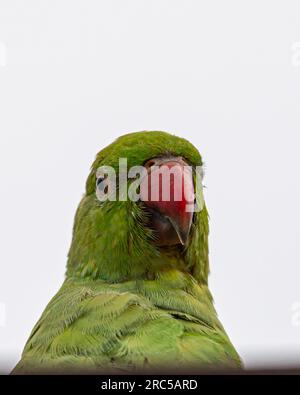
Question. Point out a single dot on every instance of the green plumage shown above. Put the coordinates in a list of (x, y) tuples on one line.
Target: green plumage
[(127, 304)]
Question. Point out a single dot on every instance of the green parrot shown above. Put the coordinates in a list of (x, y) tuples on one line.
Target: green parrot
[(135, 297)]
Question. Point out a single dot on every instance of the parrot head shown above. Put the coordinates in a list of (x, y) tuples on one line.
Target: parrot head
[(117, 239)]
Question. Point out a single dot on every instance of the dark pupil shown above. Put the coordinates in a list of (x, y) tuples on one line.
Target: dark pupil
[(100, 180), (102, 186)]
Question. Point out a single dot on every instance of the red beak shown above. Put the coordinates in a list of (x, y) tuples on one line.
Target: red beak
[(168, 194)]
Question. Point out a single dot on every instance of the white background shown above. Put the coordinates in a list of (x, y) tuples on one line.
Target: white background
[(74, 75)]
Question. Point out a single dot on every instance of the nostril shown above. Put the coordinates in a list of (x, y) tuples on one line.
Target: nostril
[(150, 163)]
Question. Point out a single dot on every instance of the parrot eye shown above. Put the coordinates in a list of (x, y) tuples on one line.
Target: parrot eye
[(101, 185)]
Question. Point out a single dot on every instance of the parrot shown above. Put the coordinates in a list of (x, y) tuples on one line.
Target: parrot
[(135, 297)]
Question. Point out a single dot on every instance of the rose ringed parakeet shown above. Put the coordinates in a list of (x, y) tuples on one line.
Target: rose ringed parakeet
[(136, 294)]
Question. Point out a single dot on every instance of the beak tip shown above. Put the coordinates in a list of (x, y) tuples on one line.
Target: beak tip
[(182, 235)]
